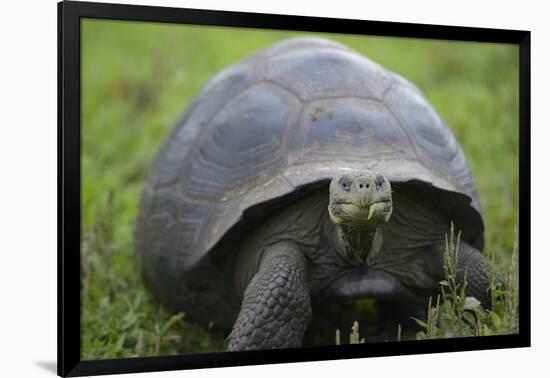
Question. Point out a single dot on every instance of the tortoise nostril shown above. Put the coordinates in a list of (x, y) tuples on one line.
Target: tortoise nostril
[(363, 183)]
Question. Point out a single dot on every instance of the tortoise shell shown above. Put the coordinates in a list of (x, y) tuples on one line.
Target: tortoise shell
[(283, 119)]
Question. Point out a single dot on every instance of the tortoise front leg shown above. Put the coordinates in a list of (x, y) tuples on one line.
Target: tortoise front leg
[(276, 309)]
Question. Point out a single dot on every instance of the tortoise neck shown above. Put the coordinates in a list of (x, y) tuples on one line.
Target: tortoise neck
[(357, 244)]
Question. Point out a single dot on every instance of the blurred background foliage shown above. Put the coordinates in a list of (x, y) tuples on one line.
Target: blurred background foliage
[(137, 78)]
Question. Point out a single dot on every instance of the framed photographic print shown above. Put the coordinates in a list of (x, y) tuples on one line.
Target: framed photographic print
[(239, 188)]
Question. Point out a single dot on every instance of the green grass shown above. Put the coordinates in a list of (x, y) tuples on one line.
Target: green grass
[(137, 78)]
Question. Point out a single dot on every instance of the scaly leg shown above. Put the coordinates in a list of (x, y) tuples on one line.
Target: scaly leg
[(276, 309), (474, 264)]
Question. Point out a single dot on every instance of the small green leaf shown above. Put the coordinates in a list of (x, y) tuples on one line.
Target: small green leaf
[(471, 303), (120, 343), (420, 322), (495, 319), (174, 319), (470, 318), (443, 283), (421, 336)]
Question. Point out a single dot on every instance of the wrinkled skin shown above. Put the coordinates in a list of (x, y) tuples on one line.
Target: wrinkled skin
[(359, 241)]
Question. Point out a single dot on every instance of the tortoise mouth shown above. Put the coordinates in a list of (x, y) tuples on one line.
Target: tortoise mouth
[(347, 212), (362, 205)]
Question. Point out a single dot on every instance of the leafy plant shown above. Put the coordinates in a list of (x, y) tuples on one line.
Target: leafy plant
[(457, 315)]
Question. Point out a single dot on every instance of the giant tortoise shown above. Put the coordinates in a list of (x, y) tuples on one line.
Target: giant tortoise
[(304, 171)]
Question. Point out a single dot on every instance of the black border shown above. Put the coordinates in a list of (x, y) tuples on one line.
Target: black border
[(69, 15)]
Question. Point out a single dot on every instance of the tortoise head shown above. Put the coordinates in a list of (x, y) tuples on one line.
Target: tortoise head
[(360, 200)]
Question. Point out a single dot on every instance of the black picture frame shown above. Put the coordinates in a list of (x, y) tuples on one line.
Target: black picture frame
[(69, 16)]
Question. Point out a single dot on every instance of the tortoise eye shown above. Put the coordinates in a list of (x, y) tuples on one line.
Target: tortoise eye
[(345, 185)]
